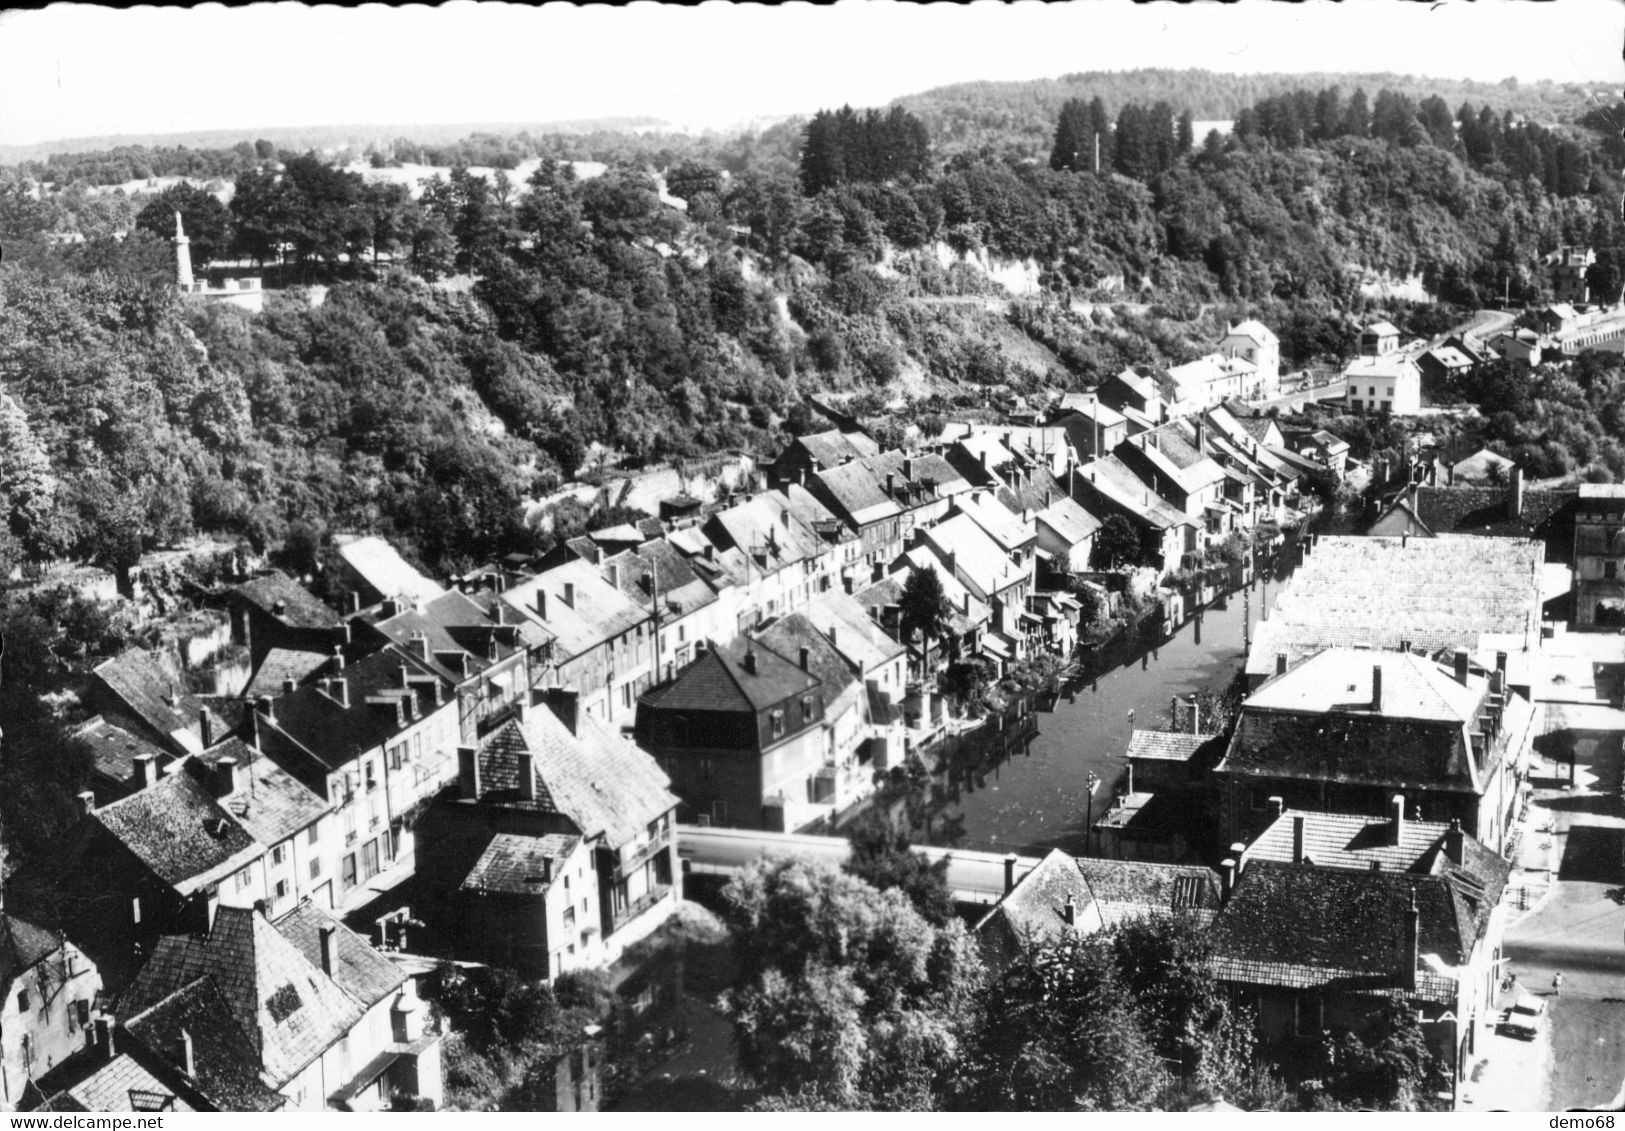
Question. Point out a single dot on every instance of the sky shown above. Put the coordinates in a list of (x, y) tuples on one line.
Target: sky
[(78, 70)]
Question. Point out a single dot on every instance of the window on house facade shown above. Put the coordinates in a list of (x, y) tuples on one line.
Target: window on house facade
[(570, 918), (279, 854), (347, 871), (1610, 570), (806, 710), (244, 879), (313, 834), (719, 812), (315, 867), (22, 1001), (707, 769), (282, 889)]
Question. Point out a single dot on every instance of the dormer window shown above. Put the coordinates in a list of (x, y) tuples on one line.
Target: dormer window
[(776, 719), (807, 710)]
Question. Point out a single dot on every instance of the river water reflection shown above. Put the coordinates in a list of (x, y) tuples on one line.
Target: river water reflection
[(1039, 800)]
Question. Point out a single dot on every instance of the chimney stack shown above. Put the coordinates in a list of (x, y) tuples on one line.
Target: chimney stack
[(146, 767), (87, 801), (541, 602), (225, 777), (750, 660), (1227, 879), (1454, 840), (527, 776), (1277, 808), (1501, 663), (188, 1062), (420, 646), (1009, 872), (1396, 807), (1280, 663), (468, 773), (325, 935), (205, 727), (105, 1039), (1461, 666), (338, 659), (806, 658), (615, 575), (1376, 688), (1408, 957), (1297, 838), (570, 594), (1069, 911)]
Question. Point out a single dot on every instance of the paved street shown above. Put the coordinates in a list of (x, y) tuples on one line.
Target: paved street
[(1579, 927)]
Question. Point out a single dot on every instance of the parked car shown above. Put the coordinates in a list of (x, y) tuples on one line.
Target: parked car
[(1523, 1017)]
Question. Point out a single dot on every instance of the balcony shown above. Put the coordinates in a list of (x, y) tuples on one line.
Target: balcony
[(637, 907), (650, 848)]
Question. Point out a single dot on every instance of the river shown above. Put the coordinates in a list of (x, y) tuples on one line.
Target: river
[(1038, 798)]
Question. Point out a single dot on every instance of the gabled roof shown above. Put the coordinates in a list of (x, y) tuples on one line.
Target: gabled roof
[(146, 688), (863, 643), (1382, 329), (118, 1085), (299, 608), (832, 448), (290, 1011), (942, 478), (23, 945), (975, 555), (996, 520), (358, 968), (1115, 480), (1129, 889), (454, 623), (766, 528), (1088, 406), (1302, 927), (280, 665), (1478, 467), (225, 1060), (381, 566), (269, 802), (1340, 680), (180, 833), (597, 611), (1170, 451), (1070, 522), (116, 749), (1434, 593), (1484, 511), (1339, 840), (1166, 746), (336, 734), (788, 635), (1389, 365), (605, 785), (1450, 357), (1034, 911), (718, 680), (857, 493), (968, 609), (658, 569), (1254, 329)]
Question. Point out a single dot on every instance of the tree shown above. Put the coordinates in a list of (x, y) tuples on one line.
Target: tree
[(925, 609), (1388, 1064), (1116, 543), (206, 221), (883, 857), (264, 150), (844, 992), (1061, 1032), (1074, 147)]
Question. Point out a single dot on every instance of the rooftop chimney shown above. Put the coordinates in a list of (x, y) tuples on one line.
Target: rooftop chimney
[(565, 704), (1277, 807), (87, 801), (1009, 872), (325, 937), (338, 689), (1408, 956), (288, 685), (420, 646), (205, 727), (468, 773), (225, 777), (750, 660), (337, 662), (1396, 807), (1227, 878), (615, 575), (146, 770), (806, 658), (105, 1039), (541, 602), (1297, 838), (262, 707), (1461, 666), (1453, 842), (1280, 663), (1069, 911), (1501, 663), (187, 1061), (570, 594), (1376, 687)]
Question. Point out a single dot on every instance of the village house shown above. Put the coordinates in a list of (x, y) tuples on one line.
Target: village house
[(1014, 533), (146, 694), (374, 571), (683, 608), (982, 567), (1327, 914), (602, 639), (1321, 446), (301, 1008), (122, 761), (1253, 342), (48, 987), (1177, 469), (741, 733), (1379, 339), (1510, 511), (1518, 345), (866, 503), (375, 740), (1093, 428), (926, 486), (805, 455), (968, 619), (1599, 556), (555, 850), (275, 611), (1355, 731), (1388, 381), (1432, 595), (1567, 269), (1208, 381), (785, 561), (1137, 394), (1107, 487), (1442, 367), (1066, 535)]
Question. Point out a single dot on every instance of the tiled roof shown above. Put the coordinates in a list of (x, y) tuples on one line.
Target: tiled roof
[(1476, 467), (300, 608), (857, 493), (337, 734), (454, 623), (767, 528), (997, 521), (928, 468), (789, 634), (269, 802), (281, 664), (1340, 680), (116, 749), (1389, 365), (1166, 746), (597, 612), (290, 1011), (1254, 329), (1086, 405), (1304, 927), (1435, 593), (968, 610), (1382, 328), (181, 833), (831, 448), (718, 681), (1067, 518), (1547, 513), (515, 864), (149, 690), (1172, 454), (976, 556), (857, 637), (1117, 482), (1450, 357), (1034, 912), (119, 1083), (381, 566), (359, 969), (603, 783), (1126, 889), (225, 1061), (22, 946)]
